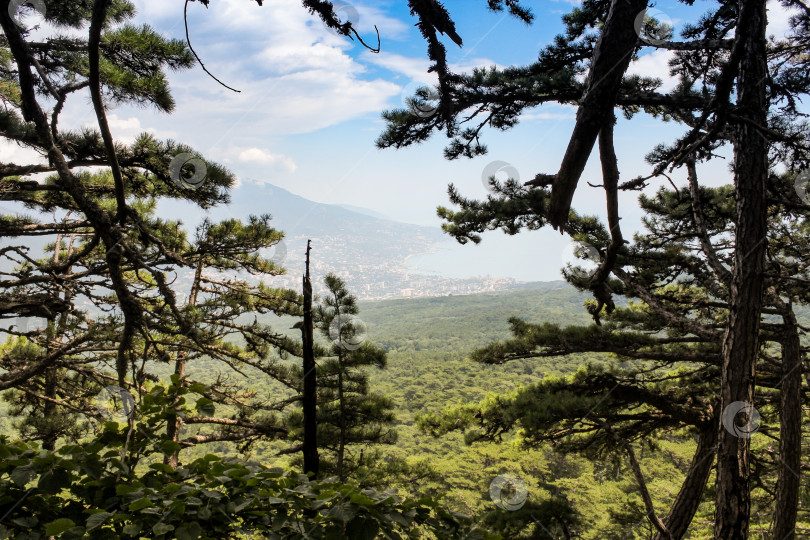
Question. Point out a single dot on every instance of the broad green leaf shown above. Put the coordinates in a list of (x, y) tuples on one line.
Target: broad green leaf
[(169, 447), (162, 528), (362, 529), (205, 406), (22, 475), (26, 522), (96, 520), (140, 504), (55, 528), (123, 489), (132, 529), (54, 481), (191, 531), (198, 388)]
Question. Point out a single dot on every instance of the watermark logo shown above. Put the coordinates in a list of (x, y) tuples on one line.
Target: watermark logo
[(15, 5), (741, 419), (498, 171), (421, 99), (801, 186), (581, 259), (345, 13), (115, 403), (279, 253), (31, 324), (187, 171), (653, 26), (348, 331), (508, 492)]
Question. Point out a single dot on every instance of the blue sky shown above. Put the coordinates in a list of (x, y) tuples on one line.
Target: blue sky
[(309, 110)]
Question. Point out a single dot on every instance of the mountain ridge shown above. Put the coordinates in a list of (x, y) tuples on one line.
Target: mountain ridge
[(299, 216), (371, 253)]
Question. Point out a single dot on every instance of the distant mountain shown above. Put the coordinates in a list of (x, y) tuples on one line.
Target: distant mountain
[(365, 211), (368, 250), (299, 217)]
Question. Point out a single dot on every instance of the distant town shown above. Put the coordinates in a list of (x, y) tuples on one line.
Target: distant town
[(382, 272)]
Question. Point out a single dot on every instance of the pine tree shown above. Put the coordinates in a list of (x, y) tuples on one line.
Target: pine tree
[(729, 81), (668, 340), (352, 419), (132, 297), (124, 291)]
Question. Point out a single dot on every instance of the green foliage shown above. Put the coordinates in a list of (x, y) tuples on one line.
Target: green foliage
[(95, 489), (352, 418)]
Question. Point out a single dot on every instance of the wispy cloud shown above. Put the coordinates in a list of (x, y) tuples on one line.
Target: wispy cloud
[(257, 155)]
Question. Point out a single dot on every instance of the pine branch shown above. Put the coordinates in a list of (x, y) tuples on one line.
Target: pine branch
[(97, 23)]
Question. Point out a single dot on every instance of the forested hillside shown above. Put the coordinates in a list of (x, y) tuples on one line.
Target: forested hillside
[(429, 342), (430, 370)]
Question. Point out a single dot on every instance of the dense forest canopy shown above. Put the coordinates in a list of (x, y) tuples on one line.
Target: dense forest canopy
[(158, 383)]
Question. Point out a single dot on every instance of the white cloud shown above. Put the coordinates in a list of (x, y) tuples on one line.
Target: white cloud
[(656, 65), (13, 153), (18, 155), (295, 76), (124, 124), (413, 68), (417, 68), (153, 11), (124, 130), (287, 58), (778, 19), (257, 155), (551, 112)]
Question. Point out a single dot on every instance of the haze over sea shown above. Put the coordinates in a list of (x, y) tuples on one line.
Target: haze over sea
[(496, 255)]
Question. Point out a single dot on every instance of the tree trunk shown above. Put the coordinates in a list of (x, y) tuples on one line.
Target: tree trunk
[(611, 57), (48, 408), (741, 341), (173, 423), (341, 398), (310, 395), (342, 441), (652, 516), (686, 504), (790, 434)]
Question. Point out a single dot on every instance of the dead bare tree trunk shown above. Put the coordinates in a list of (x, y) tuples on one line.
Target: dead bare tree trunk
[(310, 394)]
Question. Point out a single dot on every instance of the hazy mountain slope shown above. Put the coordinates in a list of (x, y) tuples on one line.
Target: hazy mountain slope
[(370, 253), (298, 216)]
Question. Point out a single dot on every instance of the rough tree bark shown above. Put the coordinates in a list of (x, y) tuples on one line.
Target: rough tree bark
[(611, 58), (686, 503), (741, 340), (790, 433), (173, 423), (94, 76)]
